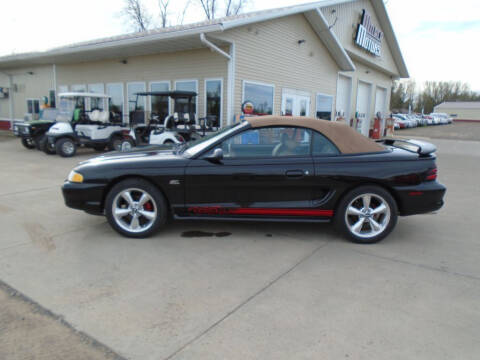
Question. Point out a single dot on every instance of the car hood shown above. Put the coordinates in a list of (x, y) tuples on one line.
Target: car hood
[(138, 158)]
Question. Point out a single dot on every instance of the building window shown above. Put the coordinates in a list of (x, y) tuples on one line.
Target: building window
[(96, 103), (160, 105), (213, 101), (139, 115), (33, 107), (260, 95), (52, 99), (80, 88), (115, 91), (324, 107), (181, 105)]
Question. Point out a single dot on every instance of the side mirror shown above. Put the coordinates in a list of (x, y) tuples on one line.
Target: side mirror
[(216, 157)]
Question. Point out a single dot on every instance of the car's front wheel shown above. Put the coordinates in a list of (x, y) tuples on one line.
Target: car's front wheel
[(28, 143), (136, 208), (66, 147), (367, 215)]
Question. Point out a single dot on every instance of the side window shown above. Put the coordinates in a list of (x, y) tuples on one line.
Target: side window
[(322, 146), (268, 142)]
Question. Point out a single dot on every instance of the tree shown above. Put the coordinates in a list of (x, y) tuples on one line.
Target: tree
[(137, 14), (230, 7), (163, 5)]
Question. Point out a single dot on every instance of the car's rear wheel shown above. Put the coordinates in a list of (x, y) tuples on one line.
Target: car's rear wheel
[(66, 147), (28, 143), (367, 215), (136, 208)]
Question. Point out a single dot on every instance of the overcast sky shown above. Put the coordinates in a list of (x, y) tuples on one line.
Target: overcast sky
[(439, 39)]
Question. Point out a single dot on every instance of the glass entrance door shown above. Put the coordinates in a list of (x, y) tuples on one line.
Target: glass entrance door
[(295, 105)]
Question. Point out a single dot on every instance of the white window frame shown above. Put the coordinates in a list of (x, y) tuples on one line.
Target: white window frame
[(150, 98), (196, 90), (122, 86), (79, 85), (89, 105), (62, 91), (261, 84), (136, 83), (296, 94), (348, 112), (332, 117), (33, 107), (221, 98)]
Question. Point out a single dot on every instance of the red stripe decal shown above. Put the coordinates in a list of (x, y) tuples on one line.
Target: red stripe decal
[(260, 211)]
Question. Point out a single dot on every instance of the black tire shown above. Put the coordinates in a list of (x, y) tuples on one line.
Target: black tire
[(46, 147), (117, 143), (28, 143), (159, 203), (388, 222), (168, 142), (66, 147)]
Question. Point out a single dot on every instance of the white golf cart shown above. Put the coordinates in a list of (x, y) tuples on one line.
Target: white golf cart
[(176, 128), (83, 121)]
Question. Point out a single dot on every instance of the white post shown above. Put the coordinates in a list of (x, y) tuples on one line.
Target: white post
[(10, 100), (231, 85)]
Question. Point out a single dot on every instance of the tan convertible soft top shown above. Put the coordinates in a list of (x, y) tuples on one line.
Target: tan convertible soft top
[(344, 137)]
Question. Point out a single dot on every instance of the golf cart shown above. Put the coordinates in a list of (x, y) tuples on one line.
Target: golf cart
[(176, 128), (83, 122), (32, 132)]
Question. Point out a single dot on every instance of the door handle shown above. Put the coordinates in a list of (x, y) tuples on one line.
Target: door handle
[(296, 173)]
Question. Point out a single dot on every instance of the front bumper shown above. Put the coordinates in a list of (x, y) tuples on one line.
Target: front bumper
[(86, 197), (420, 199)]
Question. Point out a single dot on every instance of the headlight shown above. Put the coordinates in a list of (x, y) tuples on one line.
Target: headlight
[(75, 177)]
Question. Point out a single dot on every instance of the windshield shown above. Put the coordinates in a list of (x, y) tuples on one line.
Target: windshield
[(201, 144)]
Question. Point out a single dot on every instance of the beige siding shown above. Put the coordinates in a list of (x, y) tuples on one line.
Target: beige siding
[(28, 86), (460, 114), (348, 17), (193, 65), (269, 52)]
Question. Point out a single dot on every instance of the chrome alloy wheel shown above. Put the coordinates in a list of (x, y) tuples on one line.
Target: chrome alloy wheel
[(367, 216), (134, 210)]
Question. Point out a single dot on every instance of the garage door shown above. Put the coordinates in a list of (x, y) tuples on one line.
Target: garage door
[(363, 106), (381, 105), (344, 94)]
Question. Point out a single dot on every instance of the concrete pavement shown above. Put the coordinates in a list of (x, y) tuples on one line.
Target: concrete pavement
[(268, 291)]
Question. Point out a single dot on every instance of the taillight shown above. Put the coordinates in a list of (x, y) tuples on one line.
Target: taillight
[(180, 138), (432, 175)]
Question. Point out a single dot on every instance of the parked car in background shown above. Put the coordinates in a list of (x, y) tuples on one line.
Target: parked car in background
[(443, 118), (399, 121)]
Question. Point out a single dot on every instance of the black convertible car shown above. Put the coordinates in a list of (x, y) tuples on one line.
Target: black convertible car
[(264, 169)]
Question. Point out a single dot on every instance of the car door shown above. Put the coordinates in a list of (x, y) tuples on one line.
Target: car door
[(265, 172), (331, 172)]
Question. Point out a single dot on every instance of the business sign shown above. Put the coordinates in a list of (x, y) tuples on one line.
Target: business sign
[(369, 37)]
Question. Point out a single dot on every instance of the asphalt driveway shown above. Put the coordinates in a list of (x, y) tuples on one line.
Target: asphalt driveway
[(267, 291)]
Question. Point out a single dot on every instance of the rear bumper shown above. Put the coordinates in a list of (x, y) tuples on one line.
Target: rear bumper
[(86, 197), (421, 199)]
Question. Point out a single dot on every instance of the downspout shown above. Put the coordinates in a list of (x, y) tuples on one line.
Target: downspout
[(55, 79), (231, 73)]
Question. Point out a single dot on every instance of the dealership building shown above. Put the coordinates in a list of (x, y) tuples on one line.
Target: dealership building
[(333, 59)]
